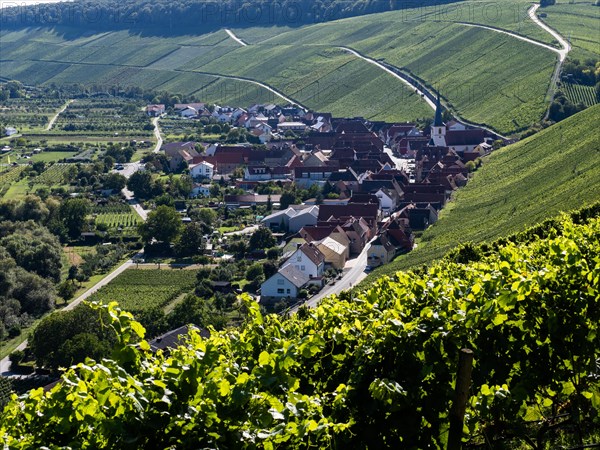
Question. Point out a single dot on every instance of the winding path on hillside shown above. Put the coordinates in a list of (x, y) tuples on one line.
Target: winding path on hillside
[(235, 38), (561, 52), (58, 113), (532, 13)]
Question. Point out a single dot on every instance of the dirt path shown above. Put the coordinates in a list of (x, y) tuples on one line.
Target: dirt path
[(235, 38), (58, 113)]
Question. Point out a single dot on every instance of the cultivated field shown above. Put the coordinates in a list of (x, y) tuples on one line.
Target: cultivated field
[(28, 114), (555, 170), (117, 216), (138, 289), (580, 93)]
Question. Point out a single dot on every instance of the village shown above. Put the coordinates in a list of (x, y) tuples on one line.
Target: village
[(377, 185)]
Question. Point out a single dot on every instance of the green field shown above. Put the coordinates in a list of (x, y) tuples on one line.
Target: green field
[(8, 175), (518, 186), (143, 289), (579, 93), (484, 76)]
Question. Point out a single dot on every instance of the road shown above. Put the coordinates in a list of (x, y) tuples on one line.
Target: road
[(131, 168), (58, 113), (401, 163), (354, 273), (235, 38)]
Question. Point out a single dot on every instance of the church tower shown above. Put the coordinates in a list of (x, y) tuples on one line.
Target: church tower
[(438, 127)]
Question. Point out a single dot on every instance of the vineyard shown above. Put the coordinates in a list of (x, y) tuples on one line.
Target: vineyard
[(8, 177), (579, 93), (55, 175), (116, 216), (370, 370), (144, 289)]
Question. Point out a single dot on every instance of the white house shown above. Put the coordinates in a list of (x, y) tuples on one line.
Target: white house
[(293, 218), (188, 112), (9, 131), (155, 110), (257, 173), (309, 260), (291, 126), (388, 200), (202, 170), (287, 282), (201, 189)]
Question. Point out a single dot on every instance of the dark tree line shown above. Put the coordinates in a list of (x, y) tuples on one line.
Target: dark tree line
[(171, 17)]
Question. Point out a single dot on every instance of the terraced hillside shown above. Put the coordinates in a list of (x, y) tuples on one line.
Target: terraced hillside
[(485, 76), (555, 170)]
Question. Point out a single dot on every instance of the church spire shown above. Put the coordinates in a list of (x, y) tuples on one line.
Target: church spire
[(438, 122)]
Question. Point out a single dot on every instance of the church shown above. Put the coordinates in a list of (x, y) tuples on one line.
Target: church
[(455, 136)]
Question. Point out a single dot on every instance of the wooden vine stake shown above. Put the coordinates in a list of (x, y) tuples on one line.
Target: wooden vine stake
[(461, 396)]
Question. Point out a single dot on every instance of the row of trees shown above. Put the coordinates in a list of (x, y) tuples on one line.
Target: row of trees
[(171, 17)]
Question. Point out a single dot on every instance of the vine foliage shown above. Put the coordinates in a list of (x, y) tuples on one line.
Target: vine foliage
[(377, 368)]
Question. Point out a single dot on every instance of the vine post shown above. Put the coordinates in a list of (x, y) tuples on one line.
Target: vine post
[(461, 396)]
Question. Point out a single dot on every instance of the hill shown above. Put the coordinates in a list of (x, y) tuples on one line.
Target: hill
[(555, 170), (483, 75), (370, 371)]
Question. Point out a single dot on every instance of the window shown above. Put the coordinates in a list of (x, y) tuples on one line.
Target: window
[(303, 268), (280, 281), (280, 291), (298, 258), (288, 291)]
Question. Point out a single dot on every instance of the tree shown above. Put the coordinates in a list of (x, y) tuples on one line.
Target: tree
[(261, 239), (36, 250), (68, 337), (66, 290), (287, 199), (140, 183), (206, 215), (73, 212), (190, 241), (255, 273), (114, 181), (163, 224)]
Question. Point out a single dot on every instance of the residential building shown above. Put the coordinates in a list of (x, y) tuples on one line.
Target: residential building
[(202, 170), (286, 283), (308, 260)]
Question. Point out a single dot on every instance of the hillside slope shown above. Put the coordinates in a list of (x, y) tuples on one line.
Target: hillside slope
[(376, 370), (555, 170), (484, 76)]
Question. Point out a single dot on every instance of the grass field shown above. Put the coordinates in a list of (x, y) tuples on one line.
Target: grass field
[(518, 186), (142, 289)]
